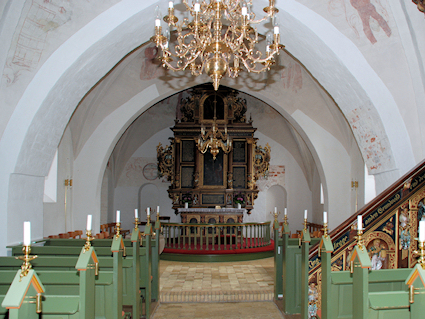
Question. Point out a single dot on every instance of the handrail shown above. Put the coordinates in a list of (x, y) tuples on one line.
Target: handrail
[(210, 237), (394, 195)]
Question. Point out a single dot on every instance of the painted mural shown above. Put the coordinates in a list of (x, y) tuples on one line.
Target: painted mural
[(369, 136), (42, 17), (292, 77), (363, 16), (151, 68)]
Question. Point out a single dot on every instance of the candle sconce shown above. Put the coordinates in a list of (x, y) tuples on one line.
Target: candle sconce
[(360, 239), (325, 230), (276, 214), (136, 223), (421, 254), (88, 240), (26, 266), (117, 229), (285, 220)]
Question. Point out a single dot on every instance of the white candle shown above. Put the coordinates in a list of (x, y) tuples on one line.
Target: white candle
[(118, 216), (157, 209), (244, 11), (148, 211), (170, 4), (275, 210), (27, 233), (286, 212), (305, 214), (325, 217), (422, 231), (89, 219), (359, 222), (276, 30), (136, 213), (197, 7)]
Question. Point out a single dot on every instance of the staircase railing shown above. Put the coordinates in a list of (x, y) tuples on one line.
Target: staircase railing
[(211, 237)]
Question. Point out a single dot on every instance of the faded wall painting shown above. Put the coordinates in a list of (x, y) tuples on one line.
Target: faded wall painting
[(368, 16)]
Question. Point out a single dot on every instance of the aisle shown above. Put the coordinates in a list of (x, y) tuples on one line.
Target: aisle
[(216, 282), (238, 310)]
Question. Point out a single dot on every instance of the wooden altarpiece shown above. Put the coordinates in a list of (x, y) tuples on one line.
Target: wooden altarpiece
[(197, 178)]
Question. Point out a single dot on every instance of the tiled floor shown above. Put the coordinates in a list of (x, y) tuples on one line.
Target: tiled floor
[(229, 289), (239, 310), (217, 282)]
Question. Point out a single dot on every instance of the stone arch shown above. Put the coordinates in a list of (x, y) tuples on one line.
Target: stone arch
[(38, 122)]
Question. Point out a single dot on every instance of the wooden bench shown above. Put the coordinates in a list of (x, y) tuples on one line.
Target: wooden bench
[(67, 293), (148, 275)]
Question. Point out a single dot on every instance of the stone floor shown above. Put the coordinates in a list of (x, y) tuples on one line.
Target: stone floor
[(233, 290), (217, 282), (230, 310)]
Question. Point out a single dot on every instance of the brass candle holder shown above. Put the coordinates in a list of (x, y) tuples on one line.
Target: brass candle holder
[(118, 229), (136, 223), (26, 266), (88, 240), (421, 254), (285, 220), (305, 224), (325, 230), (360, 239), (276, 214)]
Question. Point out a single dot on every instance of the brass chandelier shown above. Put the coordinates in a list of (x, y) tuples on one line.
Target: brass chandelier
[(214, 140), (205, 44)]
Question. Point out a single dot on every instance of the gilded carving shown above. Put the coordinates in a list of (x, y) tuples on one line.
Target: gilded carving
[(238, 107), (165, 161), (261, 161), (229, 180), (188, 107)]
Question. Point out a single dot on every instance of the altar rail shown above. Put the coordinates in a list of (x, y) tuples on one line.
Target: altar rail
[(211, 237)]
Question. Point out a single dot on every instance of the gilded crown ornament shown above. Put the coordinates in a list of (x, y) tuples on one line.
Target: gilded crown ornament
[(205, 44)]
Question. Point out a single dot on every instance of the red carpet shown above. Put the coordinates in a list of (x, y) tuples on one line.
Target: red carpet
[(230, 249)]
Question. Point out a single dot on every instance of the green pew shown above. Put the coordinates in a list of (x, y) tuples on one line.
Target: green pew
[(110, 301), (288, 277), (74, 299), (148, 276), (371, 294), (385, 286)]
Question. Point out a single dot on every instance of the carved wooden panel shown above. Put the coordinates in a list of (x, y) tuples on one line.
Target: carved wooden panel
[(187, 176), (239, 152), (213, 199), (188, 151), (239, 176)]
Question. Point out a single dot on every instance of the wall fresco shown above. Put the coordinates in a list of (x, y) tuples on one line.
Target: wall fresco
[(367, 16)]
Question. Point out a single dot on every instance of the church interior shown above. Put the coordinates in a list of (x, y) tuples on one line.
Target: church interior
[(93, 123)]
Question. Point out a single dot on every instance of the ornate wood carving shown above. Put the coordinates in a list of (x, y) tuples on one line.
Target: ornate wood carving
[(261, 161), (211, 182), (165, 161)]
